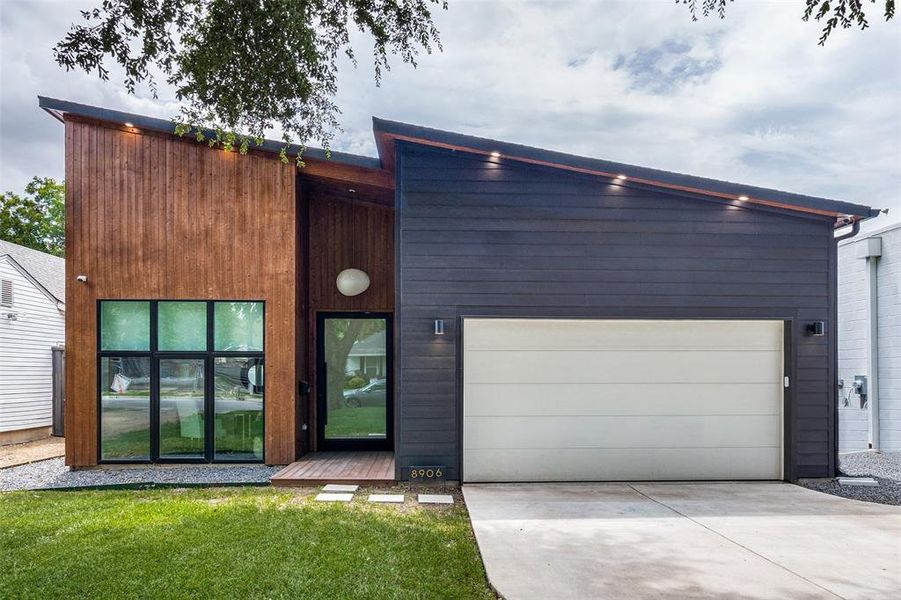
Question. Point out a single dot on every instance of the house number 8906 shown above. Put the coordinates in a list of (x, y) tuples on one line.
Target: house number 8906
[(426, 473)]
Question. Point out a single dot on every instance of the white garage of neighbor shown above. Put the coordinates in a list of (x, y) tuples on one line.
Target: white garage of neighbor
[(596, 400)]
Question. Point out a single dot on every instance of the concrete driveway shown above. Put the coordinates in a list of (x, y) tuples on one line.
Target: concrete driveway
[(684, 540)]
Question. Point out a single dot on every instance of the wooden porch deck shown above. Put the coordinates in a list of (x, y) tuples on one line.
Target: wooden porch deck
[(315, 468)]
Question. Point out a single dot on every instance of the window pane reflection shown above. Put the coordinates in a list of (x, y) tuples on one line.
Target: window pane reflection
[(182, 326), (238, 408), (124, 325), (239, 326), (125, 408), (181, 408)]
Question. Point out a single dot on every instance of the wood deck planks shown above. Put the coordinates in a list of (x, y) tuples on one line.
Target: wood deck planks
[(338, 467)]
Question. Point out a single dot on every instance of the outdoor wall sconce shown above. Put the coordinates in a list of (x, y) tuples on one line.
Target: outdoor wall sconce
[(816, 328), (352, 282), (439, 326), (82, 278)]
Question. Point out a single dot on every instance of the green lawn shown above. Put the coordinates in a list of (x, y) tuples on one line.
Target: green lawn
[(231, 543), (355, 422)]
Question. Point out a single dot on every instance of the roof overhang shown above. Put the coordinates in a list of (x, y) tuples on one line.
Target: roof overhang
[(388, 133), (378, 173), (333, 166)]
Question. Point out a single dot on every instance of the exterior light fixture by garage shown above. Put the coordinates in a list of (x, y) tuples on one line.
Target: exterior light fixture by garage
[(743, 198), (496, 154), (352, 282), (439, 326), (816, 328), (621, 178)]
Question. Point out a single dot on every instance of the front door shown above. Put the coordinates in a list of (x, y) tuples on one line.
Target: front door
[(354, 381)]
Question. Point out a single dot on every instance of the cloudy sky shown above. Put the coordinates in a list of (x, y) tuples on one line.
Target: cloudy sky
[(751, 98)]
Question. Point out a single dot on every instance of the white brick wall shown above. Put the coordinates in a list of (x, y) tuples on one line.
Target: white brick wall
[(852, 346), (852, 340), (889, 274)]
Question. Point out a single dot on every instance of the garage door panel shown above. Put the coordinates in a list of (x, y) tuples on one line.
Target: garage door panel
[(602, 366), (590, 400), (524, 399), (554, 432), (611, 464), (587, 334)]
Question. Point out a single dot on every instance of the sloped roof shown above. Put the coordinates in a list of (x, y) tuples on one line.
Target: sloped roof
[(372, 345), (387, 132), (46, 269)]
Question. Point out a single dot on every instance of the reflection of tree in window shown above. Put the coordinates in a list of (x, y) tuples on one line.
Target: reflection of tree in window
[(239, 326)]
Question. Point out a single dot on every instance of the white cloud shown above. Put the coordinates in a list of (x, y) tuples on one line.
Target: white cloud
[(752, 98)]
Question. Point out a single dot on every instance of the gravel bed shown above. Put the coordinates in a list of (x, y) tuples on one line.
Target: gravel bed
[(54, 474), (883, 467)]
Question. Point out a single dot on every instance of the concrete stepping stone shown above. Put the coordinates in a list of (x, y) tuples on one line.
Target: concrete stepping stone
[(340, 487), (326, 497), (858, 481), (398, 498), (435, 499)]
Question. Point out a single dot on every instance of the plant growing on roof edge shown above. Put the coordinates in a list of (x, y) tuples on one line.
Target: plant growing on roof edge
[(844, 13), (246, 66)]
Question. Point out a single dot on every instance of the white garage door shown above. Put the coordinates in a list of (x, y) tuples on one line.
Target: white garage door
[(589, 400)]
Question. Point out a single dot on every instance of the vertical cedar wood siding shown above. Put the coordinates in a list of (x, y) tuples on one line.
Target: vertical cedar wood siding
[(342, 233), (151, 216), (478, 236)]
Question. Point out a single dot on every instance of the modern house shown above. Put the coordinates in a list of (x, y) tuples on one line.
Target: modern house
[(546, 316), (869, 341), (32, 336)]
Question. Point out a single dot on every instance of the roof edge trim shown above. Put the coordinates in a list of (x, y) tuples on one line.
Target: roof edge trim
[(59, 108), (387, 132)]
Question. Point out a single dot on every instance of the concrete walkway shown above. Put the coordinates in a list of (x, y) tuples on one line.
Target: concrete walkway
[(708, 540)]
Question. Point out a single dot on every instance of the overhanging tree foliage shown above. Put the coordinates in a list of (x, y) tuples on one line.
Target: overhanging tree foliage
[(247, 65), (36, 219), (834, 13)]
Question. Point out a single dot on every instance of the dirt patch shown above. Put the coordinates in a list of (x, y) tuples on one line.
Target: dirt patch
[(29, 452)]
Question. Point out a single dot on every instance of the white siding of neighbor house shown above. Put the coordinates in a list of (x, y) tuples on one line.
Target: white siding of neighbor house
[(25, 353), (852, 303)]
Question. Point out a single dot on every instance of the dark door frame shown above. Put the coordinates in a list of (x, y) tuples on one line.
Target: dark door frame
[(324, 444)]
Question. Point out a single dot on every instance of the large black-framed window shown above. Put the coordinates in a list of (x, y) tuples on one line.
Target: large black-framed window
[(180, 380)]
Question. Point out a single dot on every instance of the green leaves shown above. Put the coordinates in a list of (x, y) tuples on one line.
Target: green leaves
[(844, 13), (239, 67), (38, 218)]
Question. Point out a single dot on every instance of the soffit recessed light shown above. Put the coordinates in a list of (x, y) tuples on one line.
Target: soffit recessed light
[(621, 177), (743, 198), (127, 124), (496, 154)]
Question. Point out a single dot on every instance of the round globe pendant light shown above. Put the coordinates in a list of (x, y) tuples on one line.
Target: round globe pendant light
[(352, 282)]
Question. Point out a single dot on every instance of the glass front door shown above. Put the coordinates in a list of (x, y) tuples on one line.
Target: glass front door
[(354, 381)]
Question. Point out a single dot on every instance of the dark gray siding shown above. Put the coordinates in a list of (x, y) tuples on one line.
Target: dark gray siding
[(483, 237)]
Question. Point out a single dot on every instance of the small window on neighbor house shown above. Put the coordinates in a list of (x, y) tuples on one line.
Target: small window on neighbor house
[(6, 292)]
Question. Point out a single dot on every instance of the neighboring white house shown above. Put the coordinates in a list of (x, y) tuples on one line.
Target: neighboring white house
[(869, 340), (32, 322), (368, 357)]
